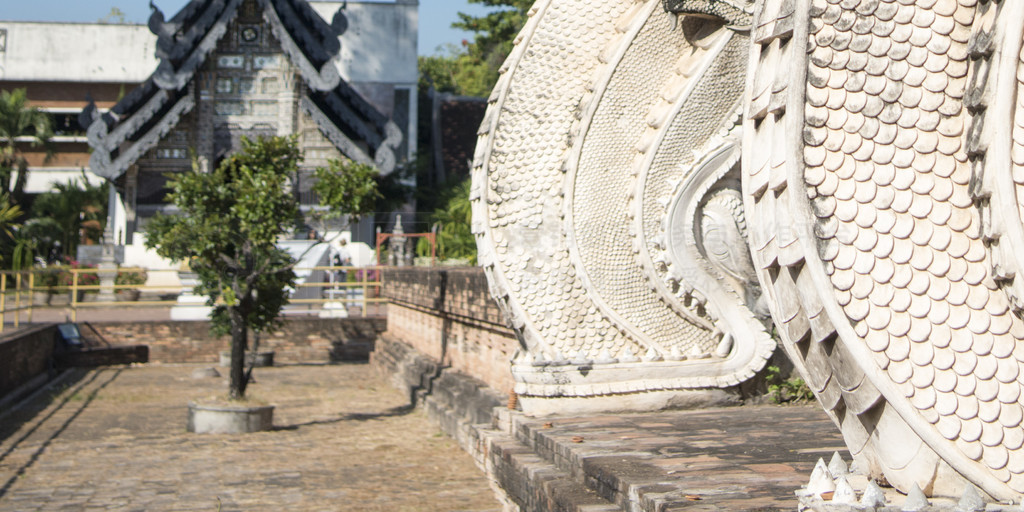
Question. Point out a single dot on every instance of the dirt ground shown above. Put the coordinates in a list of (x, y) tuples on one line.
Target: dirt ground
[(344, 439)]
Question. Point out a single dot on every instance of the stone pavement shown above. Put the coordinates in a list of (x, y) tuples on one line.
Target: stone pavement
[(724, 459), (114, 439)]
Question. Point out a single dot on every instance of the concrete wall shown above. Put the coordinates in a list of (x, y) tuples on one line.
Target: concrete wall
[(77, 52), (25, 358), (312, 340), (448, 315), (379, 46), (380, 43)]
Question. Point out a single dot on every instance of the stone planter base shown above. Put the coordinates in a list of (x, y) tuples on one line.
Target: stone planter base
[(127, 295), (258, 360), (229, 419)]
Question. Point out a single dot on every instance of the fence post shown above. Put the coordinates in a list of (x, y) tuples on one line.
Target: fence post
[(366, 275), (3, 299), (31, 293), (17, 299), (74, 295)]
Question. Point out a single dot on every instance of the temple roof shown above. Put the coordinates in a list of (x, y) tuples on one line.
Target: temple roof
[(138, 122)]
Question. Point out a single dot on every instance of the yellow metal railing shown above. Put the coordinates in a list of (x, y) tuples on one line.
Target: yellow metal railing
[(23, 292)]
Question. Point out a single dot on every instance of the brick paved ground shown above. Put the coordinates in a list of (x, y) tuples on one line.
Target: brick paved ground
[(720, 459), (114, 439)]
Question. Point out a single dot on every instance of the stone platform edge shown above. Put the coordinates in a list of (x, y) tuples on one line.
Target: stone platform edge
[(528, 469)]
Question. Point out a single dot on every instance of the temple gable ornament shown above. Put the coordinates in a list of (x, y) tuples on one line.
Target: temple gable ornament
[(249, 42), (653, 177)]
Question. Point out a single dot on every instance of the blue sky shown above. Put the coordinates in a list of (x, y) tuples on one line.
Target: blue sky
[(436, 16)]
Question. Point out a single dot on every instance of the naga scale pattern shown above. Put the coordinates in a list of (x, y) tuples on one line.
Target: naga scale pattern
[(602, 113), (886, 289)]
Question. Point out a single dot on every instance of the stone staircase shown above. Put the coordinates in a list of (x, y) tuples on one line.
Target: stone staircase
[(739, 458)]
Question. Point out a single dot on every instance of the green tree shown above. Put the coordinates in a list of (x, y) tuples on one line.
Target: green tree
[(472, 70), (62, 219), (115, 16), (453, 220), (231, 219), (495, 31), (9, 215), (18, 119)]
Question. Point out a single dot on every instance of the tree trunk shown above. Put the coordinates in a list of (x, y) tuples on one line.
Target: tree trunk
[(18, 192), (239, 340)]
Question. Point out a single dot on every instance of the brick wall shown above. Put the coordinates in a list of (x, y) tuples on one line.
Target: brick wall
[(25, 355), (449, 315), (306, 340)]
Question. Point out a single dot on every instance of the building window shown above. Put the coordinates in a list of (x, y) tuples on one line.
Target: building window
[(264, 108), (229, 108), (269, 85), (3, 39), (171, 153), (245, 86), (224, 86), (265, 61), (179, 136), (231, 61), (64, 123)]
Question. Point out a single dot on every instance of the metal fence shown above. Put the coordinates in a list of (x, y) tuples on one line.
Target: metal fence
[(26, 295)]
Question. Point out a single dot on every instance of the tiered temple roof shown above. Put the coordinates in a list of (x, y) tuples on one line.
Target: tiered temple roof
[(138, 122)]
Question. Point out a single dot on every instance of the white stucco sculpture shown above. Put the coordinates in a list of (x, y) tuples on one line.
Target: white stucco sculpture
[(607, 206), (633, 208), (881, 177)]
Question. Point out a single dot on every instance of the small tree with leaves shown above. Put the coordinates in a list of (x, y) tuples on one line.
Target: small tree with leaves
[(230, 222), (19, 119)]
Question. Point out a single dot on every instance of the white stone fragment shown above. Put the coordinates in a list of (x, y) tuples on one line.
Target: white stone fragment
[(652, 355), (873, 496), (916, 500), (971, 501), (821, 480), (844, 492), (837, 466)]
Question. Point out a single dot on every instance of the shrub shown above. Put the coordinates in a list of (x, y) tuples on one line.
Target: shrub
[(131, 277), (47, 277), (66, 276)]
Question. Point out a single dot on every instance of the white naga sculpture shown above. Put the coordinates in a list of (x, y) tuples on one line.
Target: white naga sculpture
[(608, 211), (879, 202)]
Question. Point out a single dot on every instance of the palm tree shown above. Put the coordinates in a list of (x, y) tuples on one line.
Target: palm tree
[(18, 119), (9, 215), (72, 212)]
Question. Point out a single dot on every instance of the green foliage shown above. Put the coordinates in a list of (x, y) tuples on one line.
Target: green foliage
[(18, 119), (9, 214), (131, 277), (231, 219), (496, 30), (67, 278), (115, 16), (457, 72), (24, 253), (784, 390), (473, 69), (74, 211), (229, 223), (48, 277), (453, 219), (347, 188)]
